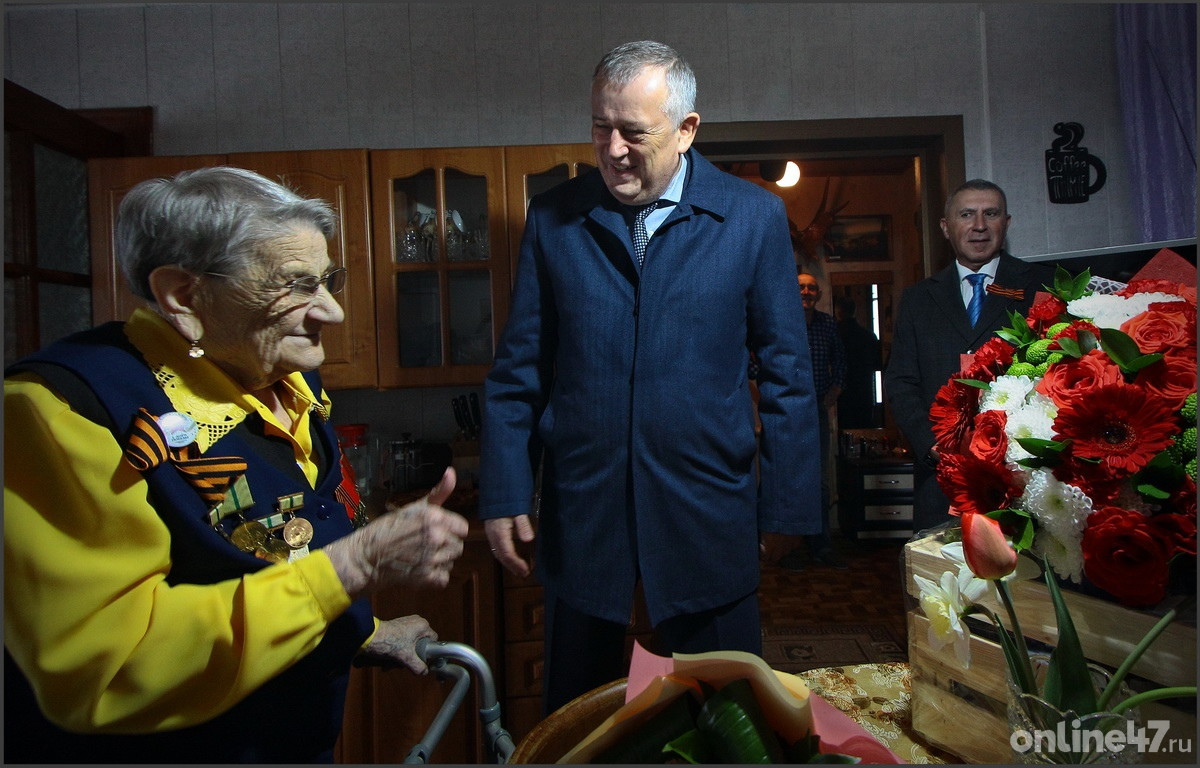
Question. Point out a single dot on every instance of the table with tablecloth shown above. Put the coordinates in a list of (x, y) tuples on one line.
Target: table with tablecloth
[(878, 697)]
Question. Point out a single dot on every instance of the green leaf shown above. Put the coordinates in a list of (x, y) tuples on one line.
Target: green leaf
[(645, 744), (975, 383), (1069, 287), (1114, 682), (1069, 346), (1018, 524), (732, 723), (689, 747), (1124, 351), (1068, 681)]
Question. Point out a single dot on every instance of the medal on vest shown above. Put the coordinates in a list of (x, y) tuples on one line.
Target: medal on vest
[(273, 550), (250, 536)]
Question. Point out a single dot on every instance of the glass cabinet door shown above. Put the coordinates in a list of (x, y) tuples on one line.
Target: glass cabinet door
[(441, 264), (532, 170)]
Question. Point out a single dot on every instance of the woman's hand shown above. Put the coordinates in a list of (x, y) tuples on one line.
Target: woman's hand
[(414, 545), (394, 644)]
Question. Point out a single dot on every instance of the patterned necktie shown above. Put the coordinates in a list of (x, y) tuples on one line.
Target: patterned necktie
[(976, 305), (640, 237)]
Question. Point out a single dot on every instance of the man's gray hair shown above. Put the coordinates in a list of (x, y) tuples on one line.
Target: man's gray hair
[(208, 220), (623, 64), (978, 185)]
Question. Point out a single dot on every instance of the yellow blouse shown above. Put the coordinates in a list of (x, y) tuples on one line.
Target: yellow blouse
[(107, 644)]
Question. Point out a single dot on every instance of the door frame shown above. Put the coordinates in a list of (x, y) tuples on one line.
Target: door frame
[(937, 140)]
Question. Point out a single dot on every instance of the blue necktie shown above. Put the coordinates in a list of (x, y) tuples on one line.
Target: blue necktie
[(976, 305), (640, 237)]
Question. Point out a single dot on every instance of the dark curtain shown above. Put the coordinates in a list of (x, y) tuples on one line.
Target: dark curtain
[(1156, 70)]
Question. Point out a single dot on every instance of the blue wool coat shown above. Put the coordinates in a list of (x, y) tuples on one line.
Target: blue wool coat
[(634, 382)]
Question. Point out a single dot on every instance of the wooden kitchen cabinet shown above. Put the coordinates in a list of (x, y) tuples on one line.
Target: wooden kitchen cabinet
[(534, 169), (388, 712), (336, 176), (441, 263)]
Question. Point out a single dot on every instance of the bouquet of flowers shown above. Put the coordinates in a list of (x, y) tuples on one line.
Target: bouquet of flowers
[(1074, 429), (1071, 436)]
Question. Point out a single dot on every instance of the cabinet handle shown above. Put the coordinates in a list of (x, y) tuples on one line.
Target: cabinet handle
[(889, 482)]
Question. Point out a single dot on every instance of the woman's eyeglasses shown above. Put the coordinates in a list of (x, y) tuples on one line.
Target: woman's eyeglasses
[(305, 287)]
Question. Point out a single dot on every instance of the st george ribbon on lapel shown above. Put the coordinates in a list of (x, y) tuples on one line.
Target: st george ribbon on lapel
[(976, 305), (640, 237)]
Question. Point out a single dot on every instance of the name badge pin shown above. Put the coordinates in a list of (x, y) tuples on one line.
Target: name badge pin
[(179, 429)]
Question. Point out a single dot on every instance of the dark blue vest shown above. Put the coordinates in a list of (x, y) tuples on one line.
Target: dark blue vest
[(295, 717)]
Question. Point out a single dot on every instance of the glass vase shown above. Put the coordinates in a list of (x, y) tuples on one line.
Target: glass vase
[(1041, 734)]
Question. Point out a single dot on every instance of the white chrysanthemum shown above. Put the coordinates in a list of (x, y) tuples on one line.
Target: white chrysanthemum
[(1057, 507), (1006, 393), (1065, 555), (1113, 311), (1033, 419)]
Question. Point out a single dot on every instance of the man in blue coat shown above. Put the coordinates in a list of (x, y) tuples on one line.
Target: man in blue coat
[(622, 373)]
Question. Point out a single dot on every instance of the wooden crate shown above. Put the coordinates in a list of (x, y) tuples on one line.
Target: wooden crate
[(963, 711)]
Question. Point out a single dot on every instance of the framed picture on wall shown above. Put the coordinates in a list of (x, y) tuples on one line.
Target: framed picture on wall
[(860, 238)]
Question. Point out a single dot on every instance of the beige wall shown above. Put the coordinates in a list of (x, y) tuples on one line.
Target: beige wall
[(243, 77)]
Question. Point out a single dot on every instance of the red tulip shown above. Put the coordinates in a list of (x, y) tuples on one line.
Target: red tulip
[(988, 552)]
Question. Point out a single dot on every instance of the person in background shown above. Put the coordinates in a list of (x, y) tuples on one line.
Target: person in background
[(856, 404), (934, 327), (622, 371), (186, 570), (829, 372)]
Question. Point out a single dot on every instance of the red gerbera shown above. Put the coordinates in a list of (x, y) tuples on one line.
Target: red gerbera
[(952, 413), (1125, 556), (977, 486), (1119, 424)]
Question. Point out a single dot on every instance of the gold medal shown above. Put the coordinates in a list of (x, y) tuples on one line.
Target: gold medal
[(297, 532), (274, 550), (250, 536)]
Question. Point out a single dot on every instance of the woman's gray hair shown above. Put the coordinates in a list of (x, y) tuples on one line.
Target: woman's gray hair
[(207, 220), (623, 64)]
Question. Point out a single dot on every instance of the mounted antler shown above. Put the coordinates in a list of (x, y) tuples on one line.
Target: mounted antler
[(809, 239)]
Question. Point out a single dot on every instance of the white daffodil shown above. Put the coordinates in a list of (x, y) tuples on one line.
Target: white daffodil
[(944, 603)]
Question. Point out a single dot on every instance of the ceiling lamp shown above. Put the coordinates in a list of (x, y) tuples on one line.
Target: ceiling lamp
[(791, 174)]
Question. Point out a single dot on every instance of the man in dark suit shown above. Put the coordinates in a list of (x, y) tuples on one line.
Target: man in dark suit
[(624, 368), (934, 327)]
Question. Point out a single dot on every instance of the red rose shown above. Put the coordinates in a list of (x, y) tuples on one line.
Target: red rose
[(1125, 556), (1179, 530), (1072, 378), (1171, 379), (1161, 330), (989, 442)]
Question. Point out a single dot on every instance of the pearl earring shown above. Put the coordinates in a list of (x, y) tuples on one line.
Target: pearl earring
[(196, 350)]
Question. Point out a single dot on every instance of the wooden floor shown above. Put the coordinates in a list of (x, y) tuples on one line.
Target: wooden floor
[(870, 591)]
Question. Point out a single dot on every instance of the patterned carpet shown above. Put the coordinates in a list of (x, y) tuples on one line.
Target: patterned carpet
[(821, 616)]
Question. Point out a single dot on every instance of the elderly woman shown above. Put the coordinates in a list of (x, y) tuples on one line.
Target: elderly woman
[(185, 571)]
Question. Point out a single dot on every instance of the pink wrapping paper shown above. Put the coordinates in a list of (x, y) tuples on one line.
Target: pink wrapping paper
[(838, 733)]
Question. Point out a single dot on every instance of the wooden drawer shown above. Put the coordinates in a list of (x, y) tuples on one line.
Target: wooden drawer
[(524, 664), (887, 512), (524, 614), (892, 482)]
